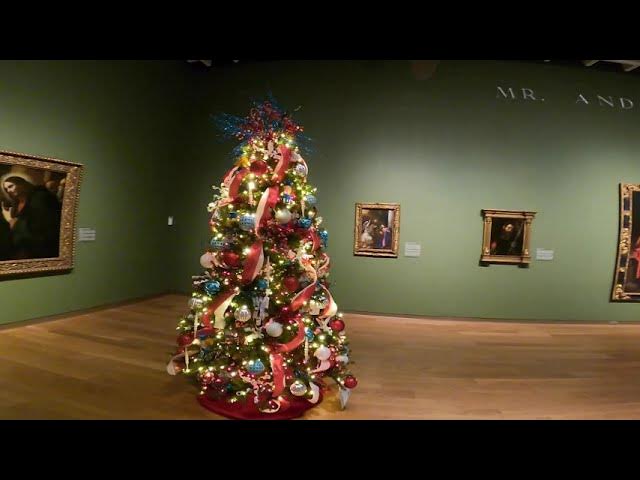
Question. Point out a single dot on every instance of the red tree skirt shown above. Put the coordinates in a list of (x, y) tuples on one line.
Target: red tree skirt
[(247, 410)]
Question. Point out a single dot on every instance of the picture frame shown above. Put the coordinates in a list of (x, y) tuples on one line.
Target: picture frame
[(376, 230), (506, 236), (38, 201), (626, 280)]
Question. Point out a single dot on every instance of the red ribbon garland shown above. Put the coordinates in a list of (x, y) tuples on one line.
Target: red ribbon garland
[(263, 213), (252, 264), (219, 300), (235, 183), (315, 238), (228, 177), (294, 342), (277, 369), (234, 178), (277, 361), (303, 296), (283, 164)]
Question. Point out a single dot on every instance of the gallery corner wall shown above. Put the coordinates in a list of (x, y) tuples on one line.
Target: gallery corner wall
[(121, 120), (472, 135)]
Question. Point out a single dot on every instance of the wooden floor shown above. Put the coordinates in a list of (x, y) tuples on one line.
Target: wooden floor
[(111, 365)]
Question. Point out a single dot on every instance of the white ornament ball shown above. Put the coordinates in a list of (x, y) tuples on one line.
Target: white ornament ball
[(283, 216), (273, 329), (322, 353), (342, 359), (298, 388), (242, 314), (206, 260)]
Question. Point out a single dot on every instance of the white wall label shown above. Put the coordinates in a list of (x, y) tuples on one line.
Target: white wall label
[(86, 234), (170, 221), (411, 249), (544, 254)]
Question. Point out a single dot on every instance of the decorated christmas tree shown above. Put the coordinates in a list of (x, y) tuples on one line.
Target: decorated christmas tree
[(263, 332)]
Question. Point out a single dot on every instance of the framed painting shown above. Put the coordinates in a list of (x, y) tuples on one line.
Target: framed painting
[(39, 198), (626, 281), (377, 229), (506, 236)]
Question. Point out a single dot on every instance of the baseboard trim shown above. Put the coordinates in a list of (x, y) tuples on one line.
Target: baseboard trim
[(492, 319), (83, 311), (73, 313)]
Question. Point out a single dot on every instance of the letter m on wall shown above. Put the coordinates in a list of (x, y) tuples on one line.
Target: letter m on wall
[(505, 94)]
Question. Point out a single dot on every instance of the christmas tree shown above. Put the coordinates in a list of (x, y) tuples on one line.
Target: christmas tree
[(263, 331)]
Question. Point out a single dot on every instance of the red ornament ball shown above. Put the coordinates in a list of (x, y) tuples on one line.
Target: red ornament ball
[(231, 259), (336, 325), (350, 382), (259, 167), (185, 339), (291, 283)]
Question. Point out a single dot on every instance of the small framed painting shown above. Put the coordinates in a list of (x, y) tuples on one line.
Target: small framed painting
[(377, 229), (506, 236)]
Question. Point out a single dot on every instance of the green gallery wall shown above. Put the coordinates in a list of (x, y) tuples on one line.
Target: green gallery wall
[(118, 119), (443, 147)]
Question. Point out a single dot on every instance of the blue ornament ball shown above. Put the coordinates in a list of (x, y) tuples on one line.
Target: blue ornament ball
[(256, 367), (233, 214), (262, 283), (247, 222), (310, 199), (324, 237), (309, 333), (304, 222), (217, 243), (212, 287)]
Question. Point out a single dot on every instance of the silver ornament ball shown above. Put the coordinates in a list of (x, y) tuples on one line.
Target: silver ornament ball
[(273, 329), (283, 216), (298, 388), (342, 359), (301, 169), (242, 314)]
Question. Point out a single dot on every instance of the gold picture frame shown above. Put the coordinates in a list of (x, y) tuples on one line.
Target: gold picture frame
[(33, 227), (506, 236), (626, 282), (377, 229)]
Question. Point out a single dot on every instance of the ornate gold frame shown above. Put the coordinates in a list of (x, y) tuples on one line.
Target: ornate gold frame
[(489, 215), (65, 261), (377, 252), (624, 245)]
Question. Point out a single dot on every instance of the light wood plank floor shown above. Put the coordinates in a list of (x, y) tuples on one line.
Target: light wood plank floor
[(111, 365)]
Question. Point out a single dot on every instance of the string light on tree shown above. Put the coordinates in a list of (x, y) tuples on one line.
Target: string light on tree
[(262, 328)]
